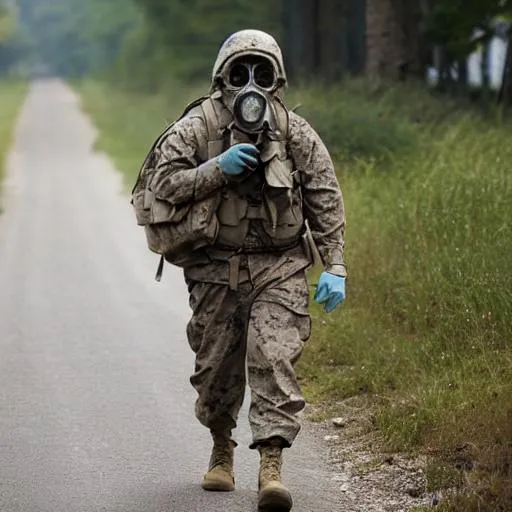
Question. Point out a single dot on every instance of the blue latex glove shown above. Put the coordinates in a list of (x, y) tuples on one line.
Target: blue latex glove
[(238, 159), (330, 291)]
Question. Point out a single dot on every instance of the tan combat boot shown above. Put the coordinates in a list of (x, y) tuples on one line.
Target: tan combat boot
[(273, 495), (220, 475)]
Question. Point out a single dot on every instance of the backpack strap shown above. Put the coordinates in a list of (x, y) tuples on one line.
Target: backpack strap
[(150, 155), (215, 132)]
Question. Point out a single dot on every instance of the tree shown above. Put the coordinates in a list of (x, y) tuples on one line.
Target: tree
[(393, 38), (505, 94), (76, 37), (192, 30), (324, 38), (456, 28), (8, 22), (12, 43)]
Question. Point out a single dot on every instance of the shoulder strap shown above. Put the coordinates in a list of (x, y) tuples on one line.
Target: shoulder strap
[(190, 107), (149, 156), (283, 118), (214, 129)]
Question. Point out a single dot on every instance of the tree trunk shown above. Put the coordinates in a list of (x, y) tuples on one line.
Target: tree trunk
[(410, 17), (332, 60), (301, 36), (505, 95), (324, 38), (462, 75), (446, 81), (486, 79), (392, 39), (385, 54), (355, 36)]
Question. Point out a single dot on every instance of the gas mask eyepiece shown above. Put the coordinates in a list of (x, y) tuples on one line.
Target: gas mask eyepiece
[(261, 74)]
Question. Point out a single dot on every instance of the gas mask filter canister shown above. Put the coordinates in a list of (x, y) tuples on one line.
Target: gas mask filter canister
[(250, 109)]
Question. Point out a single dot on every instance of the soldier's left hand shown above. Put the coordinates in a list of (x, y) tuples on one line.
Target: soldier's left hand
[(330, 291)]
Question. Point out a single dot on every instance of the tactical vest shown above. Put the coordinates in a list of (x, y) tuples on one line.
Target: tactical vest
[(271, 196)]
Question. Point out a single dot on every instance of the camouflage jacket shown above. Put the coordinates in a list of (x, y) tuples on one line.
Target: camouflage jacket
[(184, 177)]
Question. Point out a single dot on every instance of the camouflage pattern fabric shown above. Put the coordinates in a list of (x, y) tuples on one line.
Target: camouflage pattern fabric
[(179, 180), (250, 309), (254, 334)]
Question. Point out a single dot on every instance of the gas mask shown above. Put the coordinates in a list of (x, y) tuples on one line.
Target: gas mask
[(249, 86)]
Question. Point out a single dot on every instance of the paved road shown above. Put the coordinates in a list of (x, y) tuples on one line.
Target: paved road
[(96, 411)]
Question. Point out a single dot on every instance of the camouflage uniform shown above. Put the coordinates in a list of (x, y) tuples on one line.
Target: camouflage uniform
[(260, 319), (242, 194)]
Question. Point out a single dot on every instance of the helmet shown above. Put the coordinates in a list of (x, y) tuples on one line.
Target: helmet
[(249, 42)]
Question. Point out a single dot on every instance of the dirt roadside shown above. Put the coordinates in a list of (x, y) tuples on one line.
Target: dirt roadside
[(370, 479)]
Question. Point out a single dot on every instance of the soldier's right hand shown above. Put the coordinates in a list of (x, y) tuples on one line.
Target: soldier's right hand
[(238, 159)]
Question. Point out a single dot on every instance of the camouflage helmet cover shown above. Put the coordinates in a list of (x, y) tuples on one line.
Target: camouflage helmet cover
[(249, 42)]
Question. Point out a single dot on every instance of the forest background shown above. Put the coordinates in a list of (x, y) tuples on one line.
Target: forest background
[(424, 339)]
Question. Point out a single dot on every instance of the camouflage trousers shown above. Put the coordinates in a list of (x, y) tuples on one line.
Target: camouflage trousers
[(253, 335)]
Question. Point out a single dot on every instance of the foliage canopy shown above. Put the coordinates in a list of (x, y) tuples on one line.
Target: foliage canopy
[(148, 40)]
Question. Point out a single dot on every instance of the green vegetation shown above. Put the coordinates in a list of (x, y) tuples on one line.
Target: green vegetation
[(426, 330), (129, 122), (137, 42), (425, 334), (75, 38), (13, 42), (143, 42), (11, 96), (427, 327)]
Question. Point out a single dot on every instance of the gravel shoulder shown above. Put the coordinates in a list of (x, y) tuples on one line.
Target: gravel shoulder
[(368, 478)]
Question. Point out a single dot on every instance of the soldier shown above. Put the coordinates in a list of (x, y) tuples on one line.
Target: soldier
[(250, 189)]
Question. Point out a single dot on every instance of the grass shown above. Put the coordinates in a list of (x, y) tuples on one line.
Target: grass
[(129, 123), (12, 94), (426, 330)]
